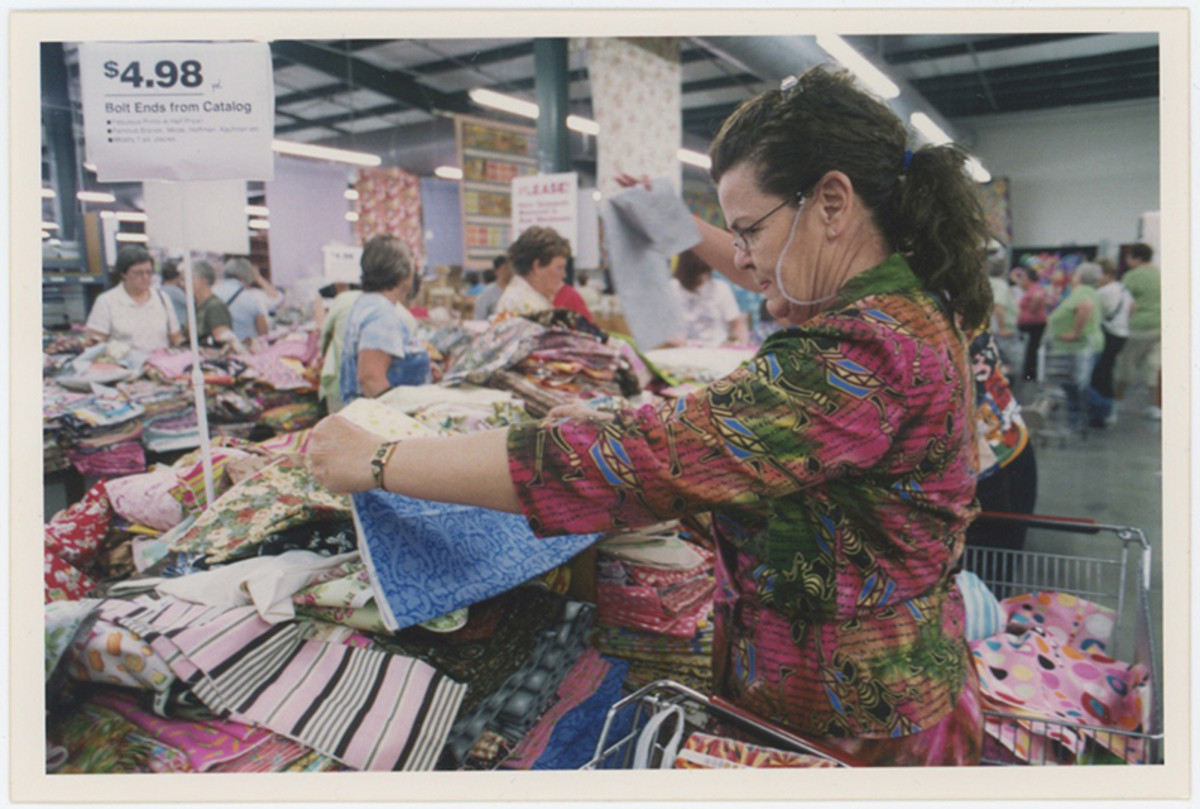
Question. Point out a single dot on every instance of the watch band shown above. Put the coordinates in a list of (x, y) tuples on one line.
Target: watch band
[(379, 461)]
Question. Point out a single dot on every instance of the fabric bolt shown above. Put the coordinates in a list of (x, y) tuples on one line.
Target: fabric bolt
[(1036, 676), (272, 755), (281, 373), (101, 741), (828, 576), (503, 345), (427, 559), (1069, 619), (368, 709), (147, 499), (326, 537), (72, 539), (620, 641), (386, 421), (63, 620), (278, 497), (650, 609), (642, 229), (412, 399), (704, 751), (205, 744), (985, 615), (538, 400), (291, 417), (584, 678), (189, 470), (574, 737), (117, 460)]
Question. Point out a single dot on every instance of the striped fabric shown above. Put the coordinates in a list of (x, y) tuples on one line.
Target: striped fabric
[(368, 709), (985, 615)]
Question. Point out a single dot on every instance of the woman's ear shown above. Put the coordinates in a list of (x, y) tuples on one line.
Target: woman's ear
[(833, 197)]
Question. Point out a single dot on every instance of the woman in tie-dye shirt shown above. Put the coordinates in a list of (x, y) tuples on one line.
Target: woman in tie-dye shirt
[(838, 465)]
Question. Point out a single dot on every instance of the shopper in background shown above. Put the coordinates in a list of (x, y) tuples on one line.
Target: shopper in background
[(839, 464), (1004, 306), (712, 314), (1142, 355), (133, 312), (1031, 316), (1076, 337), (173, 288), (239, 289), (1115, 306), (568, 297), (380, 349), (485, 304), (539, 262), (214, 324)]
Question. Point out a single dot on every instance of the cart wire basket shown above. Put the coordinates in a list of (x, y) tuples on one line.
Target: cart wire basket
[(632, 739), (1105, 577)]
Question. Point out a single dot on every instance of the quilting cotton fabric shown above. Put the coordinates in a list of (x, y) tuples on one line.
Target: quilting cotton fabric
[(368, 709), (427, 559)]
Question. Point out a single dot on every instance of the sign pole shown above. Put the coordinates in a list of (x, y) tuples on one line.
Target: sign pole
[(197, 375)]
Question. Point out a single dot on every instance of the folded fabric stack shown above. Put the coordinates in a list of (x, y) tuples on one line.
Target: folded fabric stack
[(104, 437)]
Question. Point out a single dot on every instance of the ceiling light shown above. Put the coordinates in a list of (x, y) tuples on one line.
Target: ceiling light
[(45, 235), (499, 101), (350, 194), (596, 195), (448, 172), (131, 216), (859, 65), (259, 224), (696, 159), (325, 153), (90, 166), (583, 125), (978, 173), (48, 193), (132, 237), (351, 216), (95, 196), (54, 242), (108, 214), (257, 210), (49, 226), (926, 126)]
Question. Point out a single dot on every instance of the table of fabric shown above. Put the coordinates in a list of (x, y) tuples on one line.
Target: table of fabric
[(503, 345), (427, 559), (368, 709)]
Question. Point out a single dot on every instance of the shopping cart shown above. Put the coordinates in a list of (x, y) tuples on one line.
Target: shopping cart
[(1056, 371), (1102, 576)]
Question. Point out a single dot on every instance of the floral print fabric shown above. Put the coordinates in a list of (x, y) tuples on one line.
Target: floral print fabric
[(838, 465)]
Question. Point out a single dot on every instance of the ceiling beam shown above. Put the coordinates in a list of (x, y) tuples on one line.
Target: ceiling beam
[(304, 123), (330, 121), (313, 94), (903, 55)]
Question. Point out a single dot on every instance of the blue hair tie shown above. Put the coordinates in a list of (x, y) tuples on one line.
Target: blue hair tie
[(907, 160)]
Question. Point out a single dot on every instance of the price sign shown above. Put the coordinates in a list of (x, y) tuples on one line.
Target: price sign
[(178, 110)]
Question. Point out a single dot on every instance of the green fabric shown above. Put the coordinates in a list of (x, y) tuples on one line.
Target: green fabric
[(332, 334), (1062, 321), (1144, 284)]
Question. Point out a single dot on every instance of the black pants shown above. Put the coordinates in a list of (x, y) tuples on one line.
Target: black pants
[(1102, 374), (1012, 489), (1033, 339)]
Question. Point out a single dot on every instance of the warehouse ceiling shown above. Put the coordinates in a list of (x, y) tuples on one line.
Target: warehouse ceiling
[(392, 96)]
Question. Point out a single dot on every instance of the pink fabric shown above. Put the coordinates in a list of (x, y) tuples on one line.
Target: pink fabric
[(117, 460), (580, 683), (204, 743), (645, 608), (172, 363), (1070, 620), (147, 499)]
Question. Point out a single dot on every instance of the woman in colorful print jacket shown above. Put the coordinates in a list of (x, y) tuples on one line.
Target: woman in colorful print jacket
[(839, 465)]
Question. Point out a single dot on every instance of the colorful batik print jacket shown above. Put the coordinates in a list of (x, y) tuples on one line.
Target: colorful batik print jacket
[(838, 465)]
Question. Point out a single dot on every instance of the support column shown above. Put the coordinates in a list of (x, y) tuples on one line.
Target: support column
[(551, 83), (58, 131)]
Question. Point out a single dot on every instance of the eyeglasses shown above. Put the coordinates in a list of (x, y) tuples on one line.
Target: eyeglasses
[(743, 236), (140, 273)]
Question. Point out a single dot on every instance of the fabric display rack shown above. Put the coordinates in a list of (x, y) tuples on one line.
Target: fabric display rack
[(283, 627)]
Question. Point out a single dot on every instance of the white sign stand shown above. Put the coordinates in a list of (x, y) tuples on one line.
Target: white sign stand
[(180, 111)]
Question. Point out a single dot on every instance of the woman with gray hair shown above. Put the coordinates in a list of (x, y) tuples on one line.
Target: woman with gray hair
[(247, 304), (1076, 338), (380, 350)]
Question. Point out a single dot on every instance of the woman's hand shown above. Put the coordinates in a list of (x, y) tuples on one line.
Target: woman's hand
[(629, 181), (339, 455)]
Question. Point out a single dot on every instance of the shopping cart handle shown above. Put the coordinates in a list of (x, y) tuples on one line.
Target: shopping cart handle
[(758, 723), (1044, 521)]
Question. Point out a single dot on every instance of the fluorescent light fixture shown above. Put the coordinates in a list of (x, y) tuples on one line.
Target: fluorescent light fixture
[(131, 216), (140, 238), (48, 193), (701, 161), (499, 101), (926, 126), (351, 216), (583, 125), (54, 242), (257, 210), (978, 173), (350, 194), (45, 235), (325, 153), (90, 166), (49, 226), (448, 172), (596, 195), (259, 224), (108, 214), (95, 196), (859, 65)]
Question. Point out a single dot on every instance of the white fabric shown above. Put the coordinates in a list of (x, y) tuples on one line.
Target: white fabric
[(145, 326), (522, 299), (985, 616), (665, 550), (1116, 302), (267, 582), (708, 310), (411, 398)]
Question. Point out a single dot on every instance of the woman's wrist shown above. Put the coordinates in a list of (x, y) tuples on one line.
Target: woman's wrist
[(379, 461)]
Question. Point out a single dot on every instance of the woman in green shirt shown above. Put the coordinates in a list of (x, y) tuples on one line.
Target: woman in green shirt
[(1076, 336)]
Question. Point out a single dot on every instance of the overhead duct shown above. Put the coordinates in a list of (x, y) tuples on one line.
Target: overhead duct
[(774, 58)]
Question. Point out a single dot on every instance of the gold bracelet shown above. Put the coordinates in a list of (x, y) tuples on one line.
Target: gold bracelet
[(379, 461)]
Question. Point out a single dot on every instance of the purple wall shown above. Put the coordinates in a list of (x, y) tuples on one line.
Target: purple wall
[(308, 211)]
